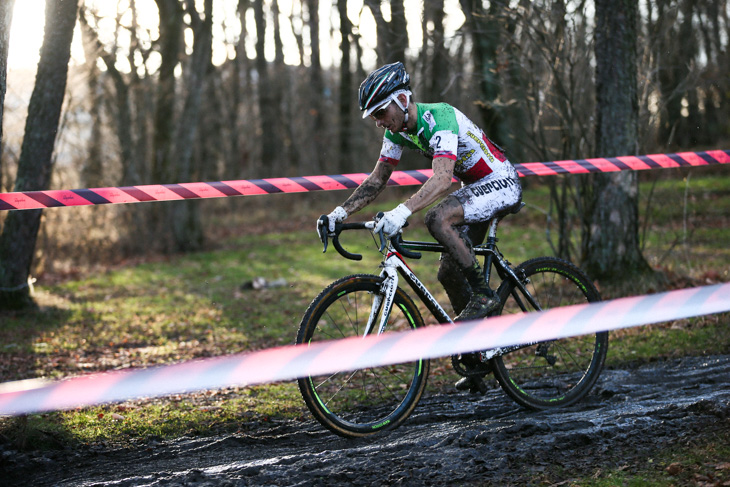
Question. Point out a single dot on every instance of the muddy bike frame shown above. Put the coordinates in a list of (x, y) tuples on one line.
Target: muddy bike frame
[(393, 266)]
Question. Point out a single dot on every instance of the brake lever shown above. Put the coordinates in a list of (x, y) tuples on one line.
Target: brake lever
[(383, 241), (395, 240), (323, 226), (381, 234)]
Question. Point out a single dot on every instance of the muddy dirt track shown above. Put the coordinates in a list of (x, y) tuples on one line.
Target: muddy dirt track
[(451, 439)]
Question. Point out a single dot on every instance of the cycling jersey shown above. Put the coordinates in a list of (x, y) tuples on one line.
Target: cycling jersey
[(443, 131)]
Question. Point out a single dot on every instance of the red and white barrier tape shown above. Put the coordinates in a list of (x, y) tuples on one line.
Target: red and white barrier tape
[(286, 363), (221, 189)]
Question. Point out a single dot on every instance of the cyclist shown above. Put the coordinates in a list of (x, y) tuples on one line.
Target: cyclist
[(456, 146)]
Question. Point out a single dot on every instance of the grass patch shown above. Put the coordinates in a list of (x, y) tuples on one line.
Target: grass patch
[(700, 461), (231, 410), (703, 335)]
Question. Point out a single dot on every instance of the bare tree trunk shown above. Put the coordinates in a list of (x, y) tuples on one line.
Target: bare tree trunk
[(691, 131), (296, 20), (397, 32), (171, 49), (170, 40), (316, 102), (241, 90), (18, 239), (94, 50), (185, 215), (6, 19), (346, 85), (289, 155), (613, 254), (484, 30), (268, 103), (392, 37), (434, 52), (278, 44), (669, 71), (92, 168), (137, 106)]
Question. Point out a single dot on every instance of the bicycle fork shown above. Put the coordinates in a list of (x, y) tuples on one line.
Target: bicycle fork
[(383, 302)]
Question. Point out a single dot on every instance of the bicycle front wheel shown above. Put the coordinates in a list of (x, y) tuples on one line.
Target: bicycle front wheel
[(367, 401), (554, 373)]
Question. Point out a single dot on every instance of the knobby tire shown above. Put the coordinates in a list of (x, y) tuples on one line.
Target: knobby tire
[(368, 401), (555, 373)]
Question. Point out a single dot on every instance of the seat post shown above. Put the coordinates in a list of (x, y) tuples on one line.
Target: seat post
[(492, 232)]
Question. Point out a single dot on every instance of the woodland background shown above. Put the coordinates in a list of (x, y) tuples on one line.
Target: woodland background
[(151, 105)]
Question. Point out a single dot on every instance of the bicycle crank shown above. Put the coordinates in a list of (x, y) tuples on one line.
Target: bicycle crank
[(470, 365)]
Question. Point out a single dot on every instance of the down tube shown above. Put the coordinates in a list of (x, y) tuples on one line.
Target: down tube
[(433, 306)]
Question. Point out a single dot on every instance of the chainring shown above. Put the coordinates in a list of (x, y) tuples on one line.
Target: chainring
[(469, 365)]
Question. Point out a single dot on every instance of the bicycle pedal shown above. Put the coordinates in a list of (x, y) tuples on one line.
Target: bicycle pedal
[(480, 387), (475, 385)]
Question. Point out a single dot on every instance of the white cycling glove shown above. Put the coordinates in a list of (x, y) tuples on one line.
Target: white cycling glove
[(338, 215), (393, 220)]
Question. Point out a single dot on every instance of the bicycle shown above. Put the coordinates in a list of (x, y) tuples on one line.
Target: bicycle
[(544, 375)]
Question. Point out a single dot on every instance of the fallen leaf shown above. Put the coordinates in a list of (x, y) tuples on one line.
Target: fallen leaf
[(674, 469)]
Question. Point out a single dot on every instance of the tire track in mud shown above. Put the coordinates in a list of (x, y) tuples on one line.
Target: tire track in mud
[(451, 438)]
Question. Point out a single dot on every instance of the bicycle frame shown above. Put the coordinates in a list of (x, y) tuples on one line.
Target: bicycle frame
[(393, 265), (492, 256)]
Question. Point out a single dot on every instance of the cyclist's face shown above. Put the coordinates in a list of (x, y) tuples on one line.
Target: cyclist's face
[(386, 117), (380, 113)]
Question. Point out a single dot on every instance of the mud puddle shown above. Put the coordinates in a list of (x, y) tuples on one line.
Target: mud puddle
[(452, 438)]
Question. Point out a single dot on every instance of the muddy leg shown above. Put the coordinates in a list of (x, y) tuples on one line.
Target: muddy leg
[(445, 222)]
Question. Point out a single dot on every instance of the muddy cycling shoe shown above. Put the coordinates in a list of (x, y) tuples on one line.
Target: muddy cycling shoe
[(474, 370), (475, 385), (479, 306)]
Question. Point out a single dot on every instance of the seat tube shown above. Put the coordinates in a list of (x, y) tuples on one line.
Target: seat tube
[(491, 244)]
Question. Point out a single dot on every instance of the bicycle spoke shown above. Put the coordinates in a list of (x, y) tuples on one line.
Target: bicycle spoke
[(346, 308), (334, 322), (385, 385), (326, 380), (571, 357), (344, 383)]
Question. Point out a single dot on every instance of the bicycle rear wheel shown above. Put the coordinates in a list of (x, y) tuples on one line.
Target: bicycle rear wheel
[(367, 401), (554, 373)]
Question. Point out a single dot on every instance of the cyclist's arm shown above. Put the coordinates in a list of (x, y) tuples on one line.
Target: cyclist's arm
[(435, 187), (370, 188)]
